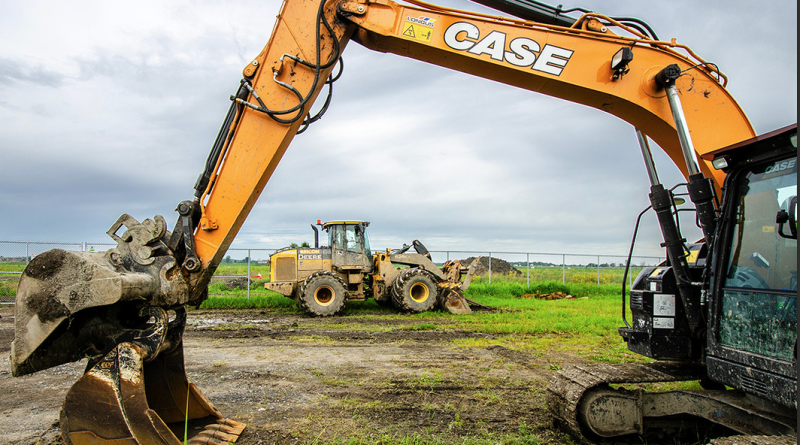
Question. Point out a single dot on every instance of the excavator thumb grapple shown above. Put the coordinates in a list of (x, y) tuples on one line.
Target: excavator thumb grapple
[(125, 314)]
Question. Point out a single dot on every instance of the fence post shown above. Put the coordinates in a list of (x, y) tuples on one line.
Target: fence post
[(528, 267), (563, 269), (598, 270), (27, 253), (490, 267), (630, 274), (448, 255), (248, 274)]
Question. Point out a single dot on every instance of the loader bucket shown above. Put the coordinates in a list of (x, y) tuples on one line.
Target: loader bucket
[(451, 292), (453, 301)]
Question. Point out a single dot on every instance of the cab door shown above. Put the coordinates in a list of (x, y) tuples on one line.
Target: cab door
[(350, 248)]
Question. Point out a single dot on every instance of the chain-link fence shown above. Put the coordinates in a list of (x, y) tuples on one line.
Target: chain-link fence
[(248, 268), (564, 267), (15, 255), (242, 270)]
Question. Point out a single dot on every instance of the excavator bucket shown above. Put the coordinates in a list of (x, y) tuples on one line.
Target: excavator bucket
[(143, 403), (74, 305)]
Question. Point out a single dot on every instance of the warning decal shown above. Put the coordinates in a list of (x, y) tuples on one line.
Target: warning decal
[(419, 28)]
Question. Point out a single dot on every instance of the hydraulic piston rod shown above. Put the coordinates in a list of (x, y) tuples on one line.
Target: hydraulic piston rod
[(700, 188), (666, 79), (648, 158)]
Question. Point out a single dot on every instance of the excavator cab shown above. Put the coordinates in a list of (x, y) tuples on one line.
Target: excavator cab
[(753, 311), (741, 347), (749, 300)]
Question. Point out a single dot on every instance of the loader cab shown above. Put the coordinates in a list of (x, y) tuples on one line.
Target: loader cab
[(753, 309), (349, 245)]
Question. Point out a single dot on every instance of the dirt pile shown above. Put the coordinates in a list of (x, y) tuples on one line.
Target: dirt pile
[(499, 267), (551, 296), (236, 282)]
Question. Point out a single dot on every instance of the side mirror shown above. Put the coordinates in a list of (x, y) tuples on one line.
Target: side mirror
[(783, 218)]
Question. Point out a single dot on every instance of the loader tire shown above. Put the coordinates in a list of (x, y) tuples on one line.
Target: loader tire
[(414, 291), (323, 294)]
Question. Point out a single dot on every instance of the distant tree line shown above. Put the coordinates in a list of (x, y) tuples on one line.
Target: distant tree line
[(544, 264)]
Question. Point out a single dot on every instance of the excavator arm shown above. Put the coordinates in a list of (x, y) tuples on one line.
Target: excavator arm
[(115, 307), (572, 63)]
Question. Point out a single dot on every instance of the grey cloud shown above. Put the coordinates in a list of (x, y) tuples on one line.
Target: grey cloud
[(542, 174), (14, 72)]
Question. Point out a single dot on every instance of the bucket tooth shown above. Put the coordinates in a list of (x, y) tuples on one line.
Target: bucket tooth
[(205, 441), (227, 426)]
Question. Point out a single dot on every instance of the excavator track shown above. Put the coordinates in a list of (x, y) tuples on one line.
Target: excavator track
[(570, 387), (585, 405)]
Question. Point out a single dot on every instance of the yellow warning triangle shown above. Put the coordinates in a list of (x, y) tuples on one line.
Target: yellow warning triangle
[(410, 32)]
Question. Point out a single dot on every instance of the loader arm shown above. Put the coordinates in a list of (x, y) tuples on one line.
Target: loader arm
[(572, 63)]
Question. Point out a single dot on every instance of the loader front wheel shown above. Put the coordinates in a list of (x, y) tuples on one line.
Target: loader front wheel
[(414, 290), (323, 294)]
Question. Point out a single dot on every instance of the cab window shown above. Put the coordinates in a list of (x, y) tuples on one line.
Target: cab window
[(352, 236), (336, 237), (759, 303)]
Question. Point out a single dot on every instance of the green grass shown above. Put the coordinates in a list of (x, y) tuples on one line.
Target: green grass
[(12, 267), (586, 325), (578, 275), (240, 269), (9, 281), (258, 300), (546, 279)]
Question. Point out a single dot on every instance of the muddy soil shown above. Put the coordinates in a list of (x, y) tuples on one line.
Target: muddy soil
[(295, 379)]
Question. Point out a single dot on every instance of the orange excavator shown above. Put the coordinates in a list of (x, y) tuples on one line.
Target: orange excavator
[(721, 311)]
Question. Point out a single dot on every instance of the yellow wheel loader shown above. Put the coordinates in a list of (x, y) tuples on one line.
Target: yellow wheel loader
[(324, 279)]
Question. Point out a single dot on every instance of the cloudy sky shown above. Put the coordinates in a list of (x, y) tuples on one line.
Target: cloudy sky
[(109, 108)]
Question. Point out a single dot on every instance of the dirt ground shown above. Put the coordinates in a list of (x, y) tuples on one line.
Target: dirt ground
[(295, 379)]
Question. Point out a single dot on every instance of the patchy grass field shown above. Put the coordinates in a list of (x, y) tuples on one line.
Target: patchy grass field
[(371, 375), (585, 325)]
